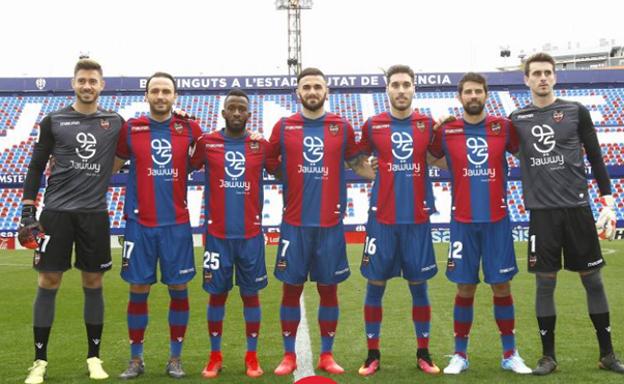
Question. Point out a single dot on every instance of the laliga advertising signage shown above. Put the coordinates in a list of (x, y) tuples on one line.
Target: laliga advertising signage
[(277, 82)]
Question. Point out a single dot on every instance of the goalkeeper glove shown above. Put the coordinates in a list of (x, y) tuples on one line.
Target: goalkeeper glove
[(605, 225), (30, 230)]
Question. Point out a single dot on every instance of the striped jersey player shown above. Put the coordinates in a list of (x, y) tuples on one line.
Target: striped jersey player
[(157, 220)]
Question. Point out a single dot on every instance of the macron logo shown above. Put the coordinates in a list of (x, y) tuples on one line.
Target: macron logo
[(96, 341), (39, 345)]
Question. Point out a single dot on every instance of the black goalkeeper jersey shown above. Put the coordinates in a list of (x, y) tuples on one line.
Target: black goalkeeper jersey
[(552, 140), (83, 149)]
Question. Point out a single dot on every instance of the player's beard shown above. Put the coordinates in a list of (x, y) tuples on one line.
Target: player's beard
[(87, 98), (314, 107), (236, 128), (400, 107), (161, 110), (474, 108)]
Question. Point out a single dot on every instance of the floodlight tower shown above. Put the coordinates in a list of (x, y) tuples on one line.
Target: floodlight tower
[(294, 8)]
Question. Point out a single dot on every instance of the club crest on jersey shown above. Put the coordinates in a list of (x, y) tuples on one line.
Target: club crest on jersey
[(254, 146), (558, 116), (178, 127), (334, 129), (495, 128), (105, 124), (420, 125)]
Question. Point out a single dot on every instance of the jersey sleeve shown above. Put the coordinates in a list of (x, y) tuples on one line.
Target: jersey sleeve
[(123, 150), (513, 142), (270, 163), (273, 147), (196, 130), (40, 156), (365, 146), (197, 152), (589, 138), (351, 148), (435, 146)]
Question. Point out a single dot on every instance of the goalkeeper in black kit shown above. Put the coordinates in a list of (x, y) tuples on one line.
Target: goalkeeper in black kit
[(553, 134)]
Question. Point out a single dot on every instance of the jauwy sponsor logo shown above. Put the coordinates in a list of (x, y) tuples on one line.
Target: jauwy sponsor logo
[(313, 149), (402, 145), (86, 145), (478, 150), (545, 136), (234, 164), (161, 151)]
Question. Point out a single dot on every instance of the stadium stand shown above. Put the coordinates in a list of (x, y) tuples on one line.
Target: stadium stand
[(21, 114)]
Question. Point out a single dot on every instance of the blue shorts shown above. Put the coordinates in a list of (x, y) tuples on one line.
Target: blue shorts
[(319, 252), (143, 246), (398, 249), (470, 241), (223, 254)]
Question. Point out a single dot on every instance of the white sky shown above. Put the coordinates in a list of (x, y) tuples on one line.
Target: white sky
[(249, 37)]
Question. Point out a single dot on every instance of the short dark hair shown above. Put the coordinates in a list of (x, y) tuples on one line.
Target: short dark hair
[(475, 78), (236, 92), (89, 65), (161, 74), (310, 71), (540, 57), (399, 68)]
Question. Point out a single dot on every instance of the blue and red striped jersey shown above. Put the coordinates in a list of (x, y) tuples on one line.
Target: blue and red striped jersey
[(476, 157), (233, 191), (402, 193), (159, 168), (313, 155)]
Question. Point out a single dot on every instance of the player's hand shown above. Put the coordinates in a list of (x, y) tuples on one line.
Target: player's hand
[(182, 114), (255, 135), (374, 163), (30, 230), (605, 225), (443, 120)]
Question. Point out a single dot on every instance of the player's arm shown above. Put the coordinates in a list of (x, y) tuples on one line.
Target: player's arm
[(273, 151), (435, 153), (355, 154), (197, 153), (361, 167), (41, 155), (122, 152), (441, 120), (118, 164), (29, 227), (589, 138), (587, 132), (437, 162)]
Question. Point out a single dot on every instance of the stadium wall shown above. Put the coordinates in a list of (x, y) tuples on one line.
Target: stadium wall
[(24, 101)]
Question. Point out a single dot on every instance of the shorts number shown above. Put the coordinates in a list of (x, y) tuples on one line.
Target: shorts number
[(285, 244), (369, 246), (44, 243), (128, 246), (455, 250), (211, 260), (532, 243)]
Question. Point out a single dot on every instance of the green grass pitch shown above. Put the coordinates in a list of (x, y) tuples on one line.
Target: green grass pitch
[(576, 344)]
